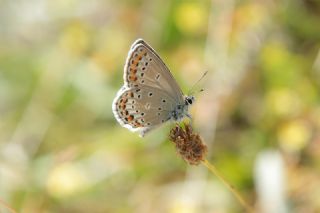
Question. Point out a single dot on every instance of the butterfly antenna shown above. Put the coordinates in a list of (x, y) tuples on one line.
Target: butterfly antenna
[(191, 90)]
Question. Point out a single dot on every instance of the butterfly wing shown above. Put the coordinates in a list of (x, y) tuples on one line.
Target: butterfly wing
[(145, 68), (150, 93), (142, 109)]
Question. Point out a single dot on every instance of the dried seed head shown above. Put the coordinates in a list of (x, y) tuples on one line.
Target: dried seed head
[(188, 144)]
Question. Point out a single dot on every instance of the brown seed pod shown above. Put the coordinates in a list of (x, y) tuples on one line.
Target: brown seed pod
[(188, 144)]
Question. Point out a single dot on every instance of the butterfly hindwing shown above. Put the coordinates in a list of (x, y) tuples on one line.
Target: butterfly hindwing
[(142, 109)]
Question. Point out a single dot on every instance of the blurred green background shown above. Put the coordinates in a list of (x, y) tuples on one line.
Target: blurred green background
[(61, 64)]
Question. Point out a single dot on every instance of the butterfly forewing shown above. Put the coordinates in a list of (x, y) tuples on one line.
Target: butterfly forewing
[(144, 67)]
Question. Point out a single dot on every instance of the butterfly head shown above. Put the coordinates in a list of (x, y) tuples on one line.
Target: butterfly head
[(189, 100)]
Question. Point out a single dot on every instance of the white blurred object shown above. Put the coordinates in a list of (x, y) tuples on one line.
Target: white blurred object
[(270, 182)]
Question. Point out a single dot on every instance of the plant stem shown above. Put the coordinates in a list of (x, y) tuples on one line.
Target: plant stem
[(229, 186)]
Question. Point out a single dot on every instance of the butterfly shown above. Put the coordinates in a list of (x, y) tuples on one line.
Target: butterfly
[(150, 95)]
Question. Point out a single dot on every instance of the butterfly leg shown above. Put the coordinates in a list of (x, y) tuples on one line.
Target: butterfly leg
[(191, 119)]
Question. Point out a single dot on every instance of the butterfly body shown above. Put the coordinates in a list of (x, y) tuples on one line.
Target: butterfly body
[(181, 110), (150, 95)]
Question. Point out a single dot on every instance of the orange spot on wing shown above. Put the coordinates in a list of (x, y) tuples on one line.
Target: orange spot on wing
[(133, 78), (138, 124), (130, 94), (123, 103), (130, 118)]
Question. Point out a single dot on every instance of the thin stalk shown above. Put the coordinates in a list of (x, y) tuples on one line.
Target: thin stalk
[(229, 186)]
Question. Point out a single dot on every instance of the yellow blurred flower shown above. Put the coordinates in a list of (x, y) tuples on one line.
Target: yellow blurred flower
[(283, 102), (65, 180), (191, 18), (294, 135), (75, 39), (185, 207)]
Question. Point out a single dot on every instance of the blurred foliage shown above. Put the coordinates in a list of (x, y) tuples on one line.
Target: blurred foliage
[(61, 64)]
